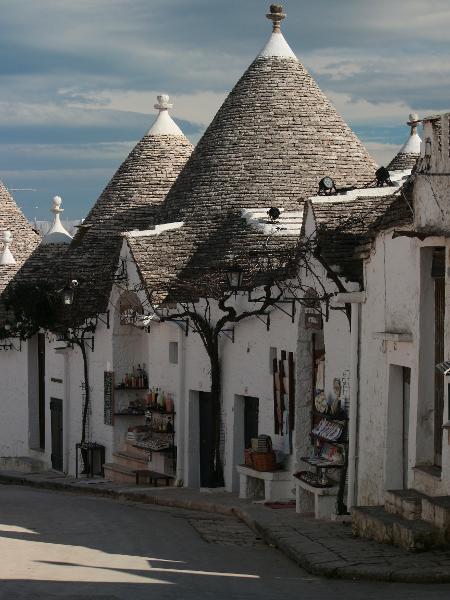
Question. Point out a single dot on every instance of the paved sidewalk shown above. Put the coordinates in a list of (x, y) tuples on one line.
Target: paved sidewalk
[(321, 547)]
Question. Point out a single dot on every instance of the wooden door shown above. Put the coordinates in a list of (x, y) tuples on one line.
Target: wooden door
[(206, 418), (56, 412)]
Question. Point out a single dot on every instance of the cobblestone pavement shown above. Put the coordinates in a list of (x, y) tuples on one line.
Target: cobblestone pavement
[(227, 531), (321, 547)]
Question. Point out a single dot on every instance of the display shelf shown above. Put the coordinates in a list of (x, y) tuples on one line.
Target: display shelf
[(130, 389), (339, 442), (162, 432), (321, 463), (158, 411), (341, 417), (145, 447)]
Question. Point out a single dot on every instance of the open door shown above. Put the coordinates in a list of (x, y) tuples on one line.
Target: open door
[(251, 418), (41, 389), (438, 274), (57, 433), (206, 418)]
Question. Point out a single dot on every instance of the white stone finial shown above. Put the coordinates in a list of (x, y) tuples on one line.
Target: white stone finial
[(276, 15), (277, 46), (57, 234), (6, 258), (164, 124), (56, 208), (412, 144), (163, 102), (413, 122)]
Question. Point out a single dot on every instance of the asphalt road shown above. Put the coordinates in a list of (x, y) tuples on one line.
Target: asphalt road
[(57, 545)]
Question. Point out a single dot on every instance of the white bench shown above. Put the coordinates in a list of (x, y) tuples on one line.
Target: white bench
[(324, 498), (277, 484)]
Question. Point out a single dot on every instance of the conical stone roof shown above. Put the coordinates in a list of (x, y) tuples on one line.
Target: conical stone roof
[(24, 238), (407, 156), (131, 200), (271, 142), (269, 145)]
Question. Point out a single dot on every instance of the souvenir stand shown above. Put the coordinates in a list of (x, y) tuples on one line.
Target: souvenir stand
[(329, 440)]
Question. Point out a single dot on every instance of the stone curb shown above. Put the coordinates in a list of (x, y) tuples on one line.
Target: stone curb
[(353, 572)]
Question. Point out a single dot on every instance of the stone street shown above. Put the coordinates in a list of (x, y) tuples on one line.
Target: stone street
[(57, 545)]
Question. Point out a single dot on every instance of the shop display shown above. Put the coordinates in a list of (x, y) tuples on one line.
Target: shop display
[(261, 455), (284, 396), (158, 433), (328, 430), (328, 433), (312, 479), (136, 379)]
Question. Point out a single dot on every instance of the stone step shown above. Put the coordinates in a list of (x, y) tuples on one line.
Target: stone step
[(130, 461), (436, 511), (404, 503), (374, 523), (135, 452), (119, 474)]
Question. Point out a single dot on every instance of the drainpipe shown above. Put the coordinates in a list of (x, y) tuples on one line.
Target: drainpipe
[(354, 299)]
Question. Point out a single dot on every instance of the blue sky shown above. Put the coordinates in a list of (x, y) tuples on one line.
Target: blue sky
[(78, 80)]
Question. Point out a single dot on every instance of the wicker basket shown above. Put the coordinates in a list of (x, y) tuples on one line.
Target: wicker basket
[(248, 457), (264, 461)]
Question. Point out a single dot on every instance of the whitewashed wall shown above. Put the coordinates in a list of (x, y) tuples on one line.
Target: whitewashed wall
[(14, 403)]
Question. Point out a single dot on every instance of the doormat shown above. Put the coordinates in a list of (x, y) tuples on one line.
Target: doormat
[(290, 504)]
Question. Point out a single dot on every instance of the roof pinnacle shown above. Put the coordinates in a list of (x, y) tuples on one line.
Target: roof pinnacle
[(57, 232), (163, 102), (164, 124), (413, 122), (6, 258), (276, 15)]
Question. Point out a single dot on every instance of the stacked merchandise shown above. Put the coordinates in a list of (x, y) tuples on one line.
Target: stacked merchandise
[(261, 455)]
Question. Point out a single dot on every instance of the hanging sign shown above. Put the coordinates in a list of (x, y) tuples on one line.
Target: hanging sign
[(108, 398), (313, 320)]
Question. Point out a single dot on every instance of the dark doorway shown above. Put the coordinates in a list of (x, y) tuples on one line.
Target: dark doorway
[(56, 411), (41, 388), (251, 418), (206, 417), (438, 274), (405, 424)]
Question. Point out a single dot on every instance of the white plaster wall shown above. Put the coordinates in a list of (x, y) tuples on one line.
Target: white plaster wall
[(392, 305), (14, 402)]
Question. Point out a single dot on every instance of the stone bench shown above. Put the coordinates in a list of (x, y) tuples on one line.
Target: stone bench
[(151, 477), (324, 498), (277, 484)]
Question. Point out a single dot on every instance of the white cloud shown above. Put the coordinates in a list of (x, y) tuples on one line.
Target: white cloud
[(359, 111), (93, 151), (196, 107), (382, 153)]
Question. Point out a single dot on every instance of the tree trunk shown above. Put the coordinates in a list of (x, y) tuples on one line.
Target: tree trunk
[(216, 388), (84, 452)]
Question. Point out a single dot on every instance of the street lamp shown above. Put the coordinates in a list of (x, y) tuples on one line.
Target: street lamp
[(235, 276)]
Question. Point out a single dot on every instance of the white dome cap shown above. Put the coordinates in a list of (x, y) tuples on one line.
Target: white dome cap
[(6, 257), (164, 124), (57, 234)]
